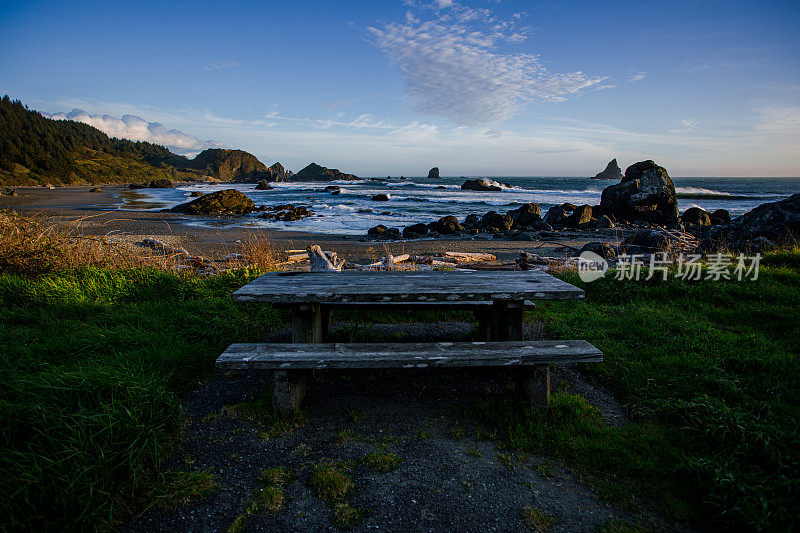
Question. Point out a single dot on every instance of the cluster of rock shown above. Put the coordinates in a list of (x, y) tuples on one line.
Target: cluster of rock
[(285, 212), (160, 183), (225, 202), (767, 226)]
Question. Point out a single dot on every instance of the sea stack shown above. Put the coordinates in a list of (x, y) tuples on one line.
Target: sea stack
[(433, 173), (612, 172)]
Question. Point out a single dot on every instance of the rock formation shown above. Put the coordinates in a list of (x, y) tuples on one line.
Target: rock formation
[(612, 172), (697, 216), (646, 194), (481, 184), (433, 173), (778, 222), (315, 172), (225, 202)]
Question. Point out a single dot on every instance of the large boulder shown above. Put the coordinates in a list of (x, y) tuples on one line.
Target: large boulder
[(720, 216), (558, 215), (526, 214), (161, 183), (581, 216), (433, 173), (264, 185), (415, 230), (382, 232), (481, 184), (225, 202), (697, 216), (646, 193), (315, 172), (494, 221), (380, 198), (612, 172), (777, 221), (447, 225)]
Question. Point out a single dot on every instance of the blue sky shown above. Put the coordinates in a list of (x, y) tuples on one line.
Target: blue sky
[(394, 87)]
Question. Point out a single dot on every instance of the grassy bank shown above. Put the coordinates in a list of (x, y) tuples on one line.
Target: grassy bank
[(96, 361), (94, 365), (709, 372)]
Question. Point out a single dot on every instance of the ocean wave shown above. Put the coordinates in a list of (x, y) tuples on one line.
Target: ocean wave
[(697, 193)]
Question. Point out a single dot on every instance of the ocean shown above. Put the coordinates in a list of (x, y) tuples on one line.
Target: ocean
[(413, 200)]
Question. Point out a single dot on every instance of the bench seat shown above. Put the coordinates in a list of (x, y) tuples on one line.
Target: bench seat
[(290, 361), (312, 356)]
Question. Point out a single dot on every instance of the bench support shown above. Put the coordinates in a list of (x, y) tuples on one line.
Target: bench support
[(507, 320), (307, 323), (535, 384), (288, 389)]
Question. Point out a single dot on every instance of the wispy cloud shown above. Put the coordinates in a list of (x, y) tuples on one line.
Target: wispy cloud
[(638, 76), (686, 125), (453, 68), (135, 128), (779, 120), (222, 65)]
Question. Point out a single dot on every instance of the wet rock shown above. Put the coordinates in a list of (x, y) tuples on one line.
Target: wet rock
[(382, 232), (720, 216), (604, 222), (558, 215), (433, 174), (526, 214), (225, 202), (196, 194), (612, 172), (581, 217), (472, 221), (494, 221), (380, 198), (264, 185), (778, 222), (697, 216), (603, 249), (95, 189), (482, 184), (285, 212), (649, 240), (161, 183), (415, 231), (447, 225), (646, 194)]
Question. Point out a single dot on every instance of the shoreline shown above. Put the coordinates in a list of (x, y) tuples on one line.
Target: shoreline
[(96, 213)]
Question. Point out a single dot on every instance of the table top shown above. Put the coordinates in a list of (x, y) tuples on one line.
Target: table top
[(405, 286)]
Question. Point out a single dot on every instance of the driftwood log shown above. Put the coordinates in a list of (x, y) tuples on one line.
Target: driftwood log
[(320, 262)]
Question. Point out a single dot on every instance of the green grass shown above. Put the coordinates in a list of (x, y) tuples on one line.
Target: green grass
[(536, 519), (94, 363), (709, 371), (382, 462), (178, 487)]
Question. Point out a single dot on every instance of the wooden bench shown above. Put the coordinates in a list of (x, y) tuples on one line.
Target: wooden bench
[(499, 300), (291, 361)]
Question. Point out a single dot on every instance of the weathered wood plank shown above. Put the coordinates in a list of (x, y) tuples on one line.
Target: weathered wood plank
[(406, 355), (431, 306), (407, 286)]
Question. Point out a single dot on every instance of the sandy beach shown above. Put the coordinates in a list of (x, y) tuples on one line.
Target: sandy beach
[(97, 213)]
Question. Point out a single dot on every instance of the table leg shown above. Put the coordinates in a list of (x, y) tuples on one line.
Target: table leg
[(307, 323), (507, 320)]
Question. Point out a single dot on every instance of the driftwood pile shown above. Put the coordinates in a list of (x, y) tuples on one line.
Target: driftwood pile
[(318, 260)]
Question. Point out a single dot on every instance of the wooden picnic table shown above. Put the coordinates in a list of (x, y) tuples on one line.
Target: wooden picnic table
[(498, 299)]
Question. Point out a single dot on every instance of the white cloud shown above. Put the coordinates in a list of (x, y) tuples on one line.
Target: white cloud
[(222, 65), (638, 76), (778, 120), (686, 125), (452, 67), (135, 128)]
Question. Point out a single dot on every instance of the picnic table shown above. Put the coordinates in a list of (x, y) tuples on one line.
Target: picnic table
[(498, 299)]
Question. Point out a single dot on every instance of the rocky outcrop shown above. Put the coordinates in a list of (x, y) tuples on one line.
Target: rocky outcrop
[(482, 184), (581, 217), (161, 183), (315, 172), (494, 221), (447, 225), (380, 198), (779, 222), (225, 202), (264, 185), (285, 212), (612, 172), (720, 216), (645, 194), (433, 174), (415, 231), (526, 214), (697, 216), (382, 232), (229, 165)]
